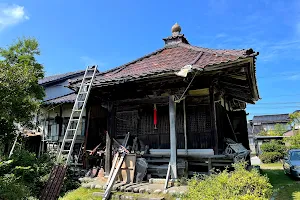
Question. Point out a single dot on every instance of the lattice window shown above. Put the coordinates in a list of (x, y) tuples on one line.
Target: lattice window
[(126, 121)]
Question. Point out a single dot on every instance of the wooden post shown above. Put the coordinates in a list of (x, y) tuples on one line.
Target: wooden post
[(209, 166), (109, 134), (61, 122), (184, 127), (213, 118), (87, 125), (173, 143)]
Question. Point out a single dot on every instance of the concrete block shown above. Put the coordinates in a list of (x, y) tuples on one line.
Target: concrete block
[(142, 190), (98, 186), (158, 191), (98, 194)]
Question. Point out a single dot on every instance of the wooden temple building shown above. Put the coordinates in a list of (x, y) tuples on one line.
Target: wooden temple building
[(183, 104)]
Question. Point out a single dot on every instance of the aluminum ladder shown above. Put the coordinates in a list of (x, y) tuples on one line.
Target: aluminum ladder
[(76, 116)]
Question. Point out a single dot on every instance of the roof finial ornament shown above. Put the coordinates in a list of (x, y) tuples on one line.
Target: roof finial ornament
[(176, 29)]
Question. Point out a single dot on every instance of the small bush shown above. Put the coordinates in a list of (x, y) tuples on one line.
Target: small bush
[(27, 170), (239, 184), (293, 142), (12, 189), (270, 157), (273, 146)]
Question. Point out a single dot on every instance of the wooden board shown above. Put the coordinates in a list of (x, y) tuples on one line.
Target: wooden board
[(52, 188), (128, 169)]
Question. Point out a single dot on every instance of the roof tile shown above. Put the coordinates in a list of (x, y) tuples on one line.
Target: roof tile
[(169, 59)]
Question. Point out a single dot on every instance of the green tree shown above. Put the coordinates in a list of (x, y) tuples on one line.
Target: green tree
[(20, 94), (295, 119), (293, 142), (279, 130)]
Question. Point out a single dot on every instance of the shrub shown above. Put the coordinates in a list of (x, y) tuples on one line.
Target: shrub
[(239, 184), (12, 189), (27, 170), (293, 142), (273, 146), (272, 151), (270, 157)]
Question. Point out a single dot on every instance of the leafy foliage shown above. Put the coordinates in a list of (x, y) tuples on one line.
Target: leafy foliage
[(293, 142), (273, 146), (239, 184), (12, 189), (295, 119), (279, 130), (25, 169), (21, 94), (270, 157), (272, 151)]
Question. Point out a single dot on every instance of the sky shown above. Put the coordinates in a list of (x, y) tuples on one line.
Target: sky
[(74, 34)]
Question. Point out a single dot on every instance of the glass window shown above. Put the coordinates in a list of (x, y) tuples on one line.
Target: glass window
[(295, 155), (52, 130)]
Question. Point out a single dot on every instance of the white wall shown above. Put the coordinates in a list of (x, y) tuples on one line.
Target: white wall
[(57, 90)]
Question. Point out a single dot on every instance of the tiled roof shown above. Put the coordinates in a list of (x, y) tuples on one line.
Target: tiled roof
[(271, 118), (169, 59), (254, 129), (69, 98), (59, 77), (289, 133)]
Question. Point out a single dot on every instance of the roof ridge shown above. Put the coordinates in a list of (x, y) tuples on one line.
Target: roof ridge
[(121, 67), (75, 72), (57, 77), (273, 114), (208, 50)]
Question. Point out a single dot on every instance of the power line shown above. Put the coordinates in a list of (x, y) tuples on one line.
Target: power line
[(278, 103)]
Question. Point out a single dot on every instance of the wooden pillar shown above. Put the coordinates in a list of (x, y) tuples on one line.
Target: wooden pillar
[(109, 135), (213, 118), (60, 125), (173, 142), (209, 166), (184, 127)]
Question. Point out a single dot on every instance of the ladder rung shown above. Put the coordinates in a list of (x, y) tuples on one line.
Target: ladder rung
[(82, 92), (65, 150), (77, 110), (80, 101), (68, 140), (74, 119), (88, 77), (71, 129)]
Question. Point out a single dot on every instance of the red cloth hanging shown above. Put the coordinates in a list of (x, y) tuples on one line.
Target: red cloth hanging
[(155, 116)]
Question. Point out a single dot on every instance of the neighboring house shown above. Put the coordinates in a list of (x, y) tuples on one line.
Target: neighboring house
[(57, 106), (268, 122)]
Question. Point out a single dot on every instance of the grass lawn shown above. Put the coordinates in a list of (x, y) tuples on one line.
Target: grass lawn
[(285, 187), (81, 194)]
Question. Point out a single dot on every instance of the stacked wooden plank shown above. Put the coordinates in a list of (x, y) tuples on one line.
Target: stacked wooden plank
[(54, 184)]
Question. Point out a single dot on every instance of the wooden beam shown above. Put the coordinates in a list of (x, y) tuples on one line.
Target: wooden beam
[(149, 100), (109, 135), (213, 118), (184, 126), (61, 122), (173, 142)]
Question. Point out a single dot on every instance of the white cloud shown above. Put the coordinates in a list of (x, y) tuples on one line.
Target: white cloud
[(294, 77), (11, 15), (221, 35)]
